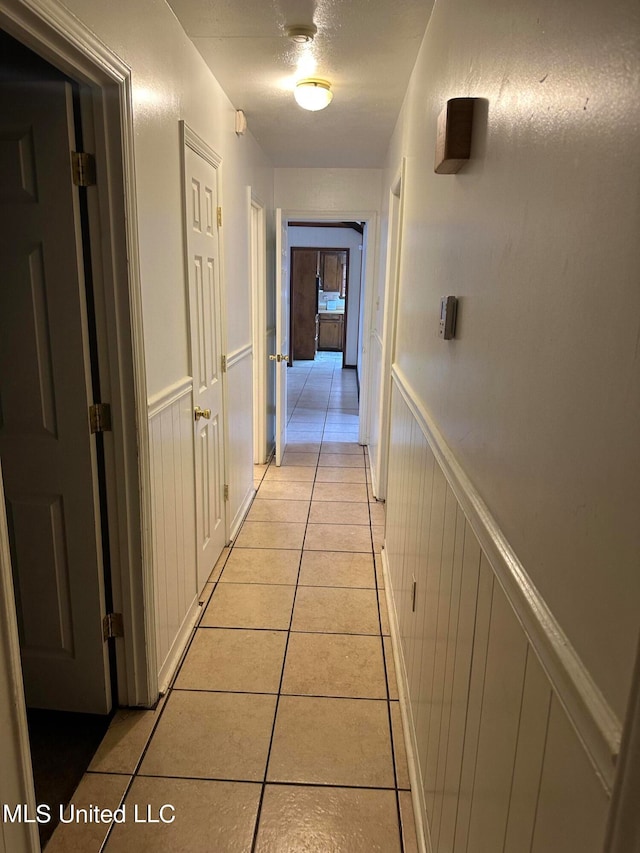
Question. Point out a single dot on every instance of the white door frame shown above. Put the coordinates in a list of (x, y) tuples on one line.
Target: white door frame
[(16, 780), (256, 229), (55, 34), (392, 278), (280, 356), (622, 834), (369, 259)]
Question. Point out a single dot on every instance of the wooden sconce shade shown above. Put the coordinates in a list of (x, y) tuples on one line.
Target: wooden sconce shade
[(453, 143)]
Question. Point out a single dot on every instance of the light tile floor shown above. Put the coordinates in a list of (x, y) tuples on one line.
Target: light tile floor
[(282, 730)]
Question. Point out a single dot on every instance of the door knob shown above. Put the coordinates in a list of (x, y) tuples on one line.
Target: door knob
[(279, 358), (201, 413)]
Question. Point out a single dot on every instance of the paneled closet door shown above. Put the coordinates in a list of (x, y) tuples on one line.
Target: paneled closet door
[(205, 315)]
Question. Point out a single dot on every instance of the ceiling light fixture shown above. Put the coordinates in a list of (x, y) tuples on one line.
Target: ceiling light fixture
[(313, 94), (301, 34)]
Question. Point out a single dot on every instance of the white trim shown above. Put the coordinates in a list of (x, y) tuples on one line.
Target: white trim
[(370, 261), (389, 326), (169, 395), (622, 834), (191, 139), (239, 355), (375, 482), (48, 28), (256, 222), (593, 720), (410, 737), (241, 514), (179, 644), (16, 780)]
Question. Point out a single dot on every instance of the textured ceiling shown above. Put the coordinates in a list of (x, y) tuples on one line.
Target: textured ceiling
[(364, 48)]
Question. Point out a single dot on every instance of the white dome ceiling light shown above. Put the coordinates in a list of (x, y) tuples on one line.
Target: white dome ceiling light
[(313, 94)]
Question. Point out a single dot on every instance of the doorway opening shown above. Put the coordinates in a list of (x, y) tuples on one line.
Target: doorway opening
[(319, 302), (362, 227), (263, 333), (72, 389), (326, 283), (326, 289), (53, 468)]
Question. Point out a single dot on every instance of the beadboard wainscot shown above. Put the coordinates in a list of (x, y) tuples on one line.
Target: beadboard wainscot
[(512, 744), (173, 519), (240, 436)]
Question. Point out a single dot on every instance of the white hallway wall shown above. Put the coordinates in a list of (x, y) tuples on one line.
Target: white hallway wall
[(537, 401), (171, 82), (329, 190)]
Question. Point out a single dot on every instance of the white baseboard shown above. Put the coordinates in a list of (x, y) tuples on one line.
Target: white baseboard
[(241, 514), (417, 788), (168, 669)]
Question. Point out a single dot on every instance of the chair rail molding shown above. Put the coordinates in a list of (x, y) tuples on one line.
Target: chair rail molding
[(594, 721)]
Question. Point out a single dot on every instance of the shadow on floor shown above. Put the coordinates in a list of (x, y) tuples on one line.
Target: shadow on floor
[(62, 746)]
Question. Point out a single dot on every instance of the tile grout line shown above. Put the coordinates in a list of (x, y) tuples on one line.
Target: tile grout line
[(277, 705), (384, 661), (136, 772), (386, 676)]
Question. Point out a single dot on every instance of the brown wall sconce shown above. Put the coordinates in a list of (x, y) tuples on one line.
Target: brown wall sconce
[(453, 142)]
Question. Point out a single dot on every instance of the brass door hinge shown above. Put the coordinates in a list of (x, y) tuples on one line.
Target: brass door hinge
[(112, 626), (100, 417), (219, 217), (84, 169), (226, 492), (224, 363)]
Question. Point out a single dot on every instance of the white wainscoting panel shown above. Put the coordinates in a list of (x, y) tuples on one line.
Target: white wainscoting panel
[(499, 762), (240, 440), (174, 536), (375, 368)]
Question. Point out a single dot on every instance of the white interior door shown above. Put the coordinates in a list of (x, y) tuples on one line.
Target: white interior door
[(205, 315), (47, 451), (281, 354)]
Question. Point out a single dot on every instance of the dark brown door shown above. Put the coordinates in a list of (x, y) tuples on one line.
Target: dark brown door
[(304, 267)]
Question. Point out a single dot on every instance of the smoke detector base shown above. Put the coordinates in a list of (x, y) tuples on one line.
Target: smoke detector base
[(301, 34)]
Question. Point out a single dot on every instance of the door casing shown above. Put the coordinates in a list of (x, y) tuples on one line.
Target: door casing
[(380, 465), (282, 331), (259, 326)]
